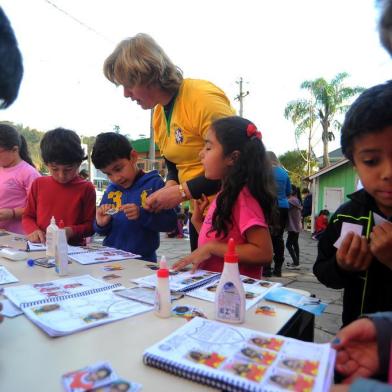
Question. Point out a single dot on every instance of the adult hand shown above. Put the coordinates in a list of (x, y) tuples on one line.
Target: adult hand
[(357, 352), (37, 236), (163, 199), (101, 216), (131, 211), (195, 258), (354, 253), (340, 388), (381, 243)]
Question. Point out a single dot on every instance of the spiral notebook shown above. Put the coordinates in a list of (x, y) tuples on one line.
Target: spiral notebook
[(181, 281), (101, 255), (239, 359), (66, 314)]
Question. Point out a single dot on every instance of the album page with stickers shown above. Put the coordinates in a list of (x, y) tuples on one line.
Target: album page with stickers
[(240, 359), (64, 306), (255, 290), (184, 281)]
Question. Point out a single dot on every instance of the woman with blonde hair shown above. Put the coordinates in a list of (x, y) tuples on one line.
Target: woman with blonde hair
[(183, 112)]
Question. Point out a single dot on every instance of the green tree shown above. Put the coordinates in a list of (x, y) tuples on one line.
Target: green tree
[(295, 162), (328, 100)]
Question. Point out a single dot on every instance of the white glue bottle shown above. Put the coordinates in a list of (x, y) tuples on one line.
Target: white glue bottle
[(230, 293), (61, 251), (51, 232), (162, 293)]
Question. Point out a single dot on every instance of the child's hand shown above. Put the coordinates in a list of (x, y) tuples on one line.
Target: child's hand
[(37, 236), (101, 217), (381, 243), (131, 211), (199, 206), (5, 214), (195, 258), (354, 253)]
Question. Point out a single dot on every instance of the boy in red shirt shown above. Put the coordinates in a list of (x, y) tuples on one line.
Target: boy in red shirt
[(320, 224), (63, 194)]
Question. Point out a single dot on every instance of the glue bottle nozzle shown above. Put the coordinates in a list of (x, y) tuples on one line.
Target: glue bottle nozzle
[(163, 263)]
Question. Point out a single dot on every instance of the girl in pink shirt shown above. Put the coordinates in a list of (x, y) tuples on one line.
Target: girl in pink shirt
[(245, 206), (17, 172)]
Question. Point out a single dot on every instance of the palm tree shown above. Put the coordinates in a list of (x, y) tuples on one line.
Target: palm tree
[(302, 114), (329, 99)]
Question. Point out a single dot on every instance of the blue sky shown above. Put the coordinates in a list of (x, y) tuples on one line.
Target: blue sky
[(272, 45)]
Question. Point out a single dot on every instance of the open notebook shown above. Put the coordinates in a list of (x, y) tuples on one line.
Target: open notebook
[(181, 281), (202, 284), (240, 359), (65, 306)]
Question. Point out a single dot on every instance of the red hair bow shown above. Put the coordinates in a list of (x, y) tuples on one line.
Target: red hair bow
[(252, 131)]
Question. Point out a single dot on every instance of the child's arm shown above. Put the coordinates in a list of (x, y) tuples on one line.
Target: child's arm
[(381, 243), (29, 218), (198, 210), (258, 250), (87, 214)]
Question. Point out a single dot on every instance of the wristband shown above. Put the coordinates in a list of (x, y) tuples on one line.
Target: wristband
[(183, 194)]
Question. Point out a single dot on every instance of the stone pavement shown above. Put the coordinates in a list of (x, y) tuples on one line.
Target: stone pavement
[(328, 323)]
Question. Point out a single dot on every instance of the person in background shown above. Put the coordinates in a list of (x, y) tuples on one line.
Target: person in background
[(62, 194), (84, 174), (121, 216), (234, 153), (17, 172), (306, 206), (293, 226), (363, 351), (320, 224), (283, 190), (183, 111), (361, 264)]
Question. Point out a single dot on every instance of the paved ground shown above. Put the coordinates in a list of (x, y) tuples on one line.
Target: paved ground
[(328, 323)]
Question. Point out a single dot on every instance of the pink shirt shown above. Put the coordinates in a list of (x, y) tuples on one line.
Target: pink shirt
[(246, 213), (15, 184)]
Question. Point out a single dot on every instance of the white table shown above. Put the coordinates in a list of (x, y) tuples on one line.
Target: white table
[(30, 360)]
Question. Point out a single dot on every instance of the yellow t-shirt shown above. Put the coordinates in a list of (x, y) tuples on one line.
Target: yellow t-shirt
[(181, 139)]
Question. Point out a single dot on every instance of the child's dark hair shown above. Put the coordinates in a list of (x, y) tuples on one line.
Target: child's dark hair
[(62, 146), (10, 138), (108, 147), (371, 112), (295, 191), (251, 168), (324, 212)]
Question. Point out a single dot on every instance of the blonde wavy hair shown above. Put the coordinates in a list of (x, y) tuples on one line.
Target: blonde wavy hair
[(139, 60)]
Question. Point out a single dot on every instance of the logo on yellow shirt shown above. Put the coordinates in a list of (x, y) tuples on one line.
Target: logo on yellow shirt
[(179, 136)]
